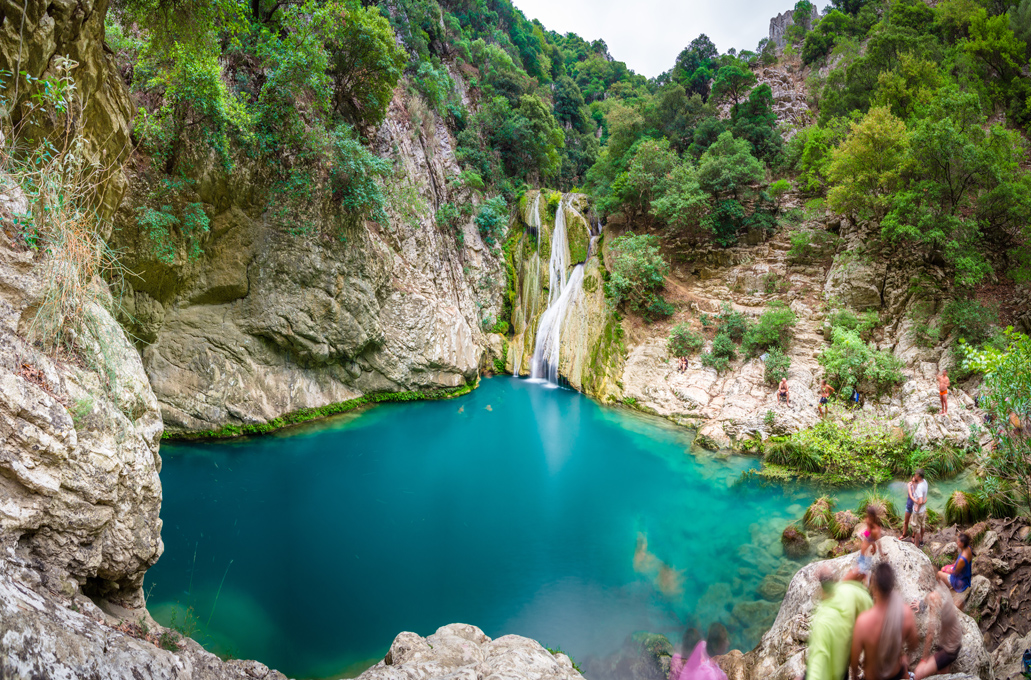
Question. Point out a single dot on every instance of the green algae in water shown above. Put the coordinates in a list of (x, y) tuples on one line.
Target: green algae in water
[(517, 508)]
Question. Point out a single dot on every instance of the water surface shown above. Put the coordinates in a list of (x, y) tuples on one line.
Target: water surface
[(518, 508)]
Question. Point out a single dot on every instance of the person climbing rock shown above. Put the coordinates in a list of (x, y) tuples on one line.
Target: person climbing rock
[(783, 394), (957, 575), (943, 621), (883, 632), (830, 632), (943, 391), (910, 488), (825, 395), (919, 507)]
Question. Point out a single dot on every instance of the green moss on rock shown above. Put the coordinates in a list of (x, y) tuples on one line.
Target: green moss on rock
[(305, 415)]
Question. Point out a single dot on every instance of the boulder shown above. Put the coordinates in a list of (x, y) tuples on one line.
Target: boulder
[(826, 547), (459, 650), (795, 542), (780, 654), (1007, 659), (980, 588)]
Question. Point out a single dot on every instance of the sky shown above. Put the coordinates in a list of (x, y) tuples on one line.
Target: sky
[(649, 34)]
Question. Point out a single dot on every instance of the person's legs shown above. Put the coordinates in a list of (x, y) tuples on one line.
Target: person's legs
[(905, 524), (921, 519), (945, 402), (943, 576)]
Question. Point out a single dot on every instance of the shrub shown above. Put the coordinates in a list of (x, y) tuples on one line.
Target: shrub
[(683, 341), (723, 346), (971, 320), (790, 453), (861, 323), (710, 360), (657, 308), (852, 364), (773, 329), (491, 219), (962, 508), (842, 524), (732, 323), (777, 365), (884, 506), (638, 271)]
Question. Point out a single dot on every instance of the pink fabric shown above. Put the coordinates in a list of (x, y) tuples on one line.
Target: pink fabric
[(697, 667)]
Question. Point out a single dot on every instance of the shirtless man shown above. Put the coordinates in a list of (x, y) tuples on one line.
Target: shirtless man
[(882, 633), (825, 395), (943, 391), (782, 392), (943, 621)]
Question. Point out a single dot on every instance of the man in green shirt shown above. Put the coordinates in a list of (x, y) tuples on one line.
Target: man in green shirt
[(830, 632)]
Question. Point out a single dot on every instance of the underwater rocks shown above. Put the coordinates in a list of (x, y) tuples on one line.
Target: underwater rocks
[(781, 653), (795, 541), (461, 650)]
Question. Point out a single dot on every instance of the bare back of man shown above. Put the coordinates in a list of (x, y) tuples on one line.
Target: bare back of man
[(874, 628)]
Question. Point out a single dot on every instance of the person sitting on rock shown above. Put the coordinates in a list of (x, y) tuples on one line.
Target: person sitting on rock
[(884, 631), (956, 576), (783, 393), (943, 620), (825, 395), (830, 632)]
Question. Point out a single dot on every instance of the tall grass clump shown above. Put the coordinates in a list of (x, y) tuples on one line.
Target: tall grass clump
[(818, 515), (47, 159)]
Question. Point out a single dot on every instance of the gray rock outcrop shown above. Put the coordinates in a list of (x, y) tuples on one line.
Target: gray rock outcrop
[(463, 651), (781, 653), (79, 436), (41, 637), (779, 26)]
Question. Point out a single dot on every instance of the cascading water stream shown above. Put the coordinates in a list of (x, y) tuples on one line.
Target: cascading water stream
[(532, 280), (562, 292)]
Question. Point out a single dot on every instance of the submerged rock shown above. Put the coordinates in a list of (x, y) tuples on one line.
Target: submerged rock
[(795, 541), (461, 650)]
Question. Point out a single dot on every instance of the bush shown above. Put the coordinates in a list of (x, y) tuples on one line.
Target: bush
[(971, 320), (710, 360), (683, 341), (723, 346), (638, 271), (794, 455), (658, 308), (773, 329), (777, 365), (852, 364), (818, 515), (731, 323), (861, 323), (491, 219)]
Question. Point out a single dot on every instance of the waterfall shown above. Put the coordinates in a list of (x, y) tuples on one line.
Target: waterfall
[(562, 292)]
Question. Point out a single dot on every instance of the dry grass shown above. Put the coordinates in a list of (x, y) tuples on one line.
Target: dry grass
[(47, 159)]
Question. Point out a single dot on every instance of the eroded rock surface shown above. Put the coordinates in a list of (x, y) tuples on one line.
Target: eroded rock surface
[(79, 435), (463, 651), (41, 637)]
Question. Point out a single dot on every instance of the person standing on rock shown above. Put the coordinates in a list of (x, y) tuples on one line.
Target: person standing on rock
[(830, 633), (919, 507), (943, 391), (957, 575), (783, 393), (943, 620), (867, 546), (910, 504), (883, 632), (825, 395)]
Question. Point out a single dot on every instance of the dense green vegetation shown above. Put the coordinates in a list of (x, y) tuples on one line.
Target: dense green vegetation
[(908, 132)]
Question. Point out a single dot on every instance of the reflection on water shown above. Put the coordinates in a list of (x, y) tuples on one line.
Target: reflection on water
[(518, 508)]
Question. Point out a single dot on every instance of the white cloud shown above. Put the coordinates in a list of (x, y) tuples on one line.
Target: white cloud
[(648, 34)]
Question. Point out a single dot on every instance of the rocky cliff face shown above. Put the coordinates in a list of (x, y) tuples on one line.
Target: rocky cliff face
[(265, 322), (79, 436)]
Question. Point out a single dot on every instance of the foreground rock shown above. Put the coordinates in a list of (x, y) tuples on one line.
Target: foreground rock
[(79, 436), (781, 653), (40, 637), (463, 651)]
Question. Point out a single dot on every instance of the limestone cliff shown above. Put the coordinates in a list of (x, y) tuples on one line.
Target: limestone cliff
[(265, 322)]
